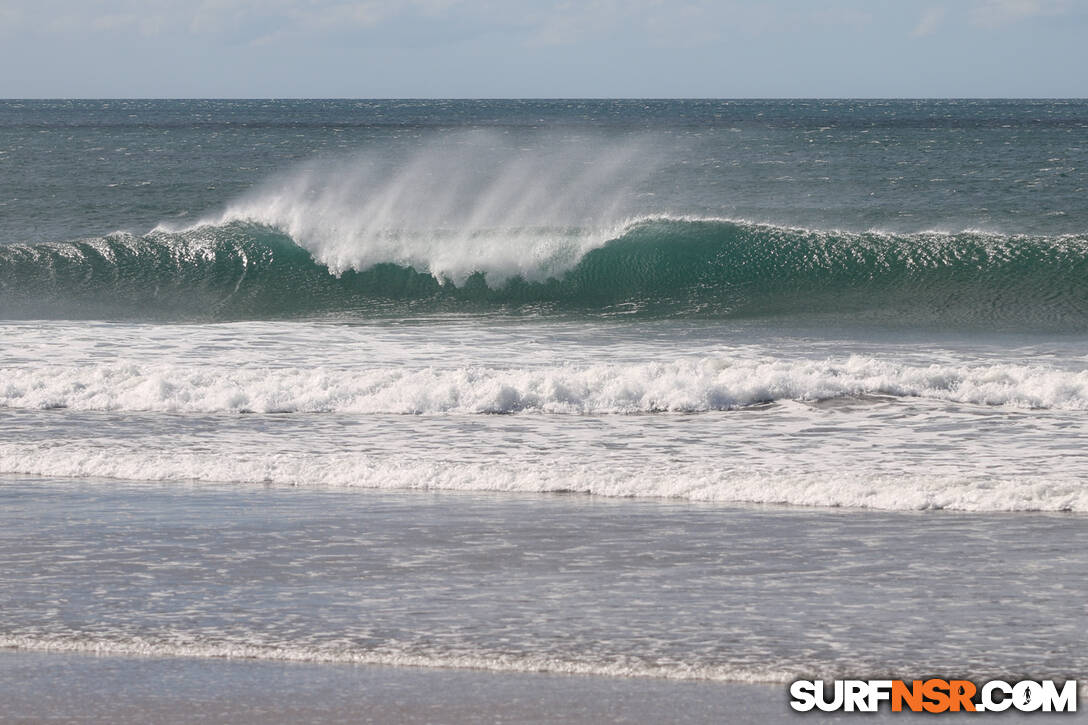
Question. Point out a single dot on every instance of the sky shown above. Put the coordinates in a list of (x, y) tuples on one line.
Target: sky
[(543, 48)]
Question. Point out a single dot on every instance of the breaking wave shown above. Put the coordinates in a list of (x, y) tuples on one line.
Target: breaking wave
[(651, 266), (710, 482), (687, 385)]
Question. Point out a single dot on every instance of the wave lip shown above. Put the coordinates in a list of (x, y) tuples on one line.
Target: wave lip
[(687, 386)]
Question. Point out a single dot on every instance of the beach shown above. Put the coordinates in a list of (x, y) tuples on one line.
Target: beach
[(207, 601)]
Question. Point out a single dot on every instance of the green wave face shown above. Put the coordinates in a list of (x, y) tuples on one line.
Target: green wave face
[(662, 267)]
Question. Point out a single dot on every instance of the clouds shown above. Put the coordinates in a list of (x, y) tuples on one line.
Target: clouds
[(539, 22), (931, 20), (397, 48), (987, 15), (208, 17), (998, 13)]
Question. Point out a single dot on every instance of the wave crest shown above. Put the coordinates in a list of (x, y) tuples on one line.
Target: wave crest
[(654, 266)]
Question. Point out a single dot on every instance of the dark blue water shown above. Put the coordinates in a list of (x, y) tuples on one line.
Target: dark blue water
[(82, 168)]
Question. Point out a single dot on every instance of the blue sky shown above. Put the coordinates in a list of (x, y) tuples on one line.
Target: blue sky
[(543, 48)]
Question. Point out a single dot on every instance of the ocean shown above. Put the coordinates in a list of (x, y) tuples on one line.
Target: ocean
[(638, 390)]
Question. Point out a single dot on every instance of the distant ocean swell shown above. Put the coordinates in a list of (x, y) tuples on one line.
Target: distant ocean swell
[(654, 266)]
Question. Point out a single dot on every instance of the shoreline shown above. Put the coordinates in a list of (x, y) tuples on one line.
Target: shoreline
[(509, 665), (67, 687), (607, 594), (39, 687)]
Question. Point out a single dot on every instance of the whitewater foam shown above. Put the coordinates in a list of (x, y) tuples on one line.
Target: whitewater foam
[(142, 647), (727, 482), (687, 385)]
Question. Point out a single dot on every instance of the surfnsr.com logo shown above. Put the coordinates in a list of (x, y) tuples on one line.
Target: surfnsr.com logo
[(933, 695)]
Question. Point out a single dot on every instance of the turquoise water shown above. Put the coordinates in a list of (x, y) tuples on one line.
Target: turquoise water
[(659, 267)]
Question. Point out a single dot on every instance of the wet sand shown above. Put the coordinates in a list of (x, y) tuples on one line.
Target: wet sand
[(64, 688)]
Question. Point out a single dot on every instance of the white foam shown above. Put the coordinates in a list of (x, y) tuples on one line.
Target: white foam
[(686, 385), (507, 662), (140, 647), (725, 482)]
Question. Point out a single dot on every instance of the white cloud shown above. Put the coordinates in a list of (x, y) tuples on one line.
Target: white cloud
[(931, 20), (565, 23), (435, 7), (832, 18), (9, 17), (668, 23), (146, 25), (214, 16), (671, 23), (210, 17), (997, 13), (357, 14)]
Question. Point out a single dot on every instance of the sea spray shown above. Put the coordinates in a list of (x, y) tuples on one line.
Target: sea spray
[(461, 204)]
